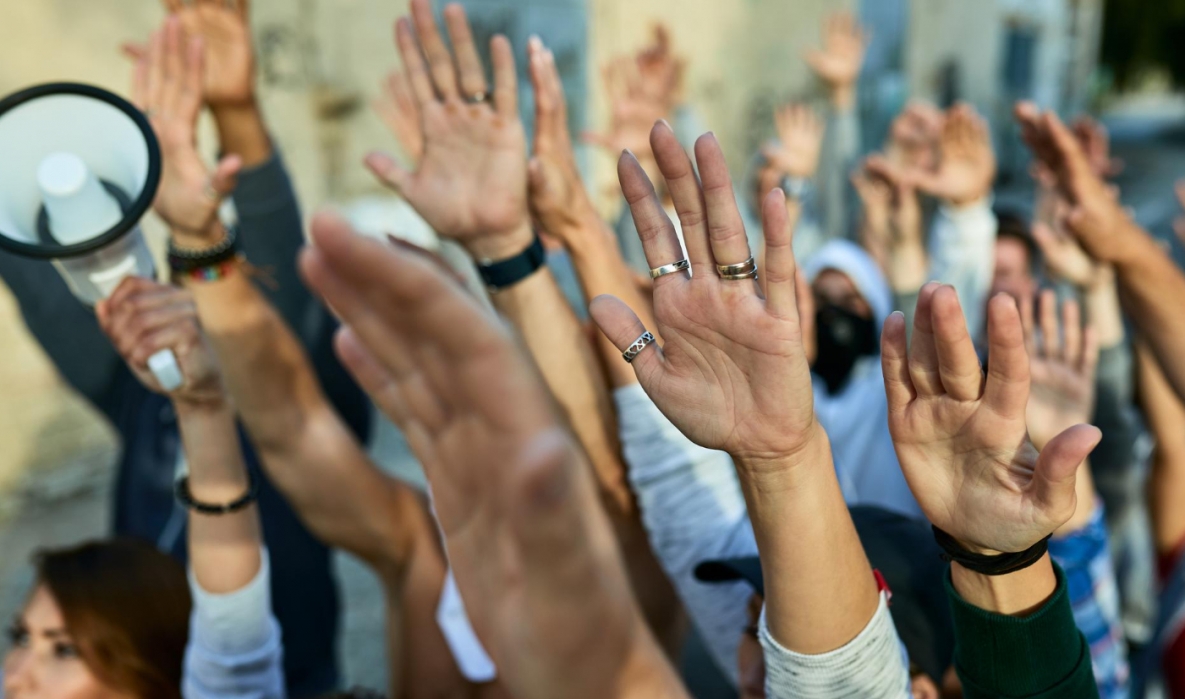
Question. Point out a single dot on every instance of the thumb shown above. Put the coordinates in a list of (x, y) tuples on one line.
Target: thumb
[(226, 175), (1057, 466), (388, 171)]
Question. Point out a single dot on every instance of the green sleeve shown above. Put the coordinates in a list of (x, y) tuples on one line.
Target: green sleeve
[(1041, 656)]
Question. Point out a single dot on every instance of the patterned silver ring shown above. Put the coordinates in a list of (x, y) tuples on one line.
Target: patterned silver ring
[(640, 344), (680, 266)]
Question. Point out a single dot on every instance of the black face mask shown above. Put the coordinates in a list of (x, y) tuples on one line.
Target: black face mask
[(843, 338)]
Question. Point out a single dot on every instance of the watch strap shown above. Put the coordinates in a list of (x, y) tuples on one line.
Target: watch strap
[(504, 273)]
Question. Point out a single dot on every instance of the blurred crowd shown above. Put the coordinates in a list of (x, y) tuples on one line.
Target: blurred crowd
[(843, 421)]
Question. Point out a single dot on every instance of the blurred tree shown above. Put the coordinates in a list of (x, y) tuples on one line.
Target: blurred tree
[(1142, 35)]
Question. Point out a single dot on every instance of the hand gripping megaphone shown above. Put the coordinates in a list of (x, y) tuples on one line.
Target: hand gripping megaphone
[(79, 168)]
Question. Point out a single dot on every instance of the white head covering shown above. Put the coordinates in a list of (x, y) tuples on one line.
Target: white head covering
[(857, 417)]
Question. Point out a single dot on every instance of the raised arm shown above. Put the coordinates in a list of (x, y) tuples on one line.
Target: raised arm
[(733, 375), (305, 446), (1149, 281), (962, 442), (232, 621), (533, 553)]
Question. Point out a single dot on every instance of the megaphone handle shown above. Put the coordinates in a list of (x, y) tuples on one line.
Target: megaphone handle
[(167, 371)]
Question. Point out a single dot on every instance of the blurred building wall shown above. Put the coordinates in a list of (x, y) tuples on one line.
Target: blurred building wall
[(321, 62)]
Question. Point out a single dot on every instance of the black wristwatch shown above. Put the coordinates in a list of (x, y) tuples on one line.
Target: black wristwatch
[(503, 273)]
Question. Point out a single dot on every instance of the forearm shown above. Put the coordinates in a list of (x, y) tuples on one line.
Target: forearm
[(1103, 310), (307, 451), (224, 551), (241, 132), (602, 270), (1152, 287), (841, 147), (1015, 635), (555, 339), (820, 591), (1165, 416)]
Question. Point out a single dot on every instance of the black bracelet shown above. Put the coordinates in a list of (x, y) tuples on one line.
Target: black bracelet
[(1000, 564), (184, 260), (504, 273), (186, 498)]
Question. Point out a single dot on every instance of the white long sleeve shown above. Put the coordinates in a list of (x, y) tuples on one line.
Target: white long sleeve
[(235, 649), (963, 254), (873, 665), (693, 510)]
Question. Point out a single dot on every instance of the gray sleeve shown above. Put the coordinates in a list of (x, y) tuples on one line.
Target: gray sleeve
[(962, 254), (234, 650), (693, 510), (841, 148), (871, 666), (1113, 460), (271, 235)]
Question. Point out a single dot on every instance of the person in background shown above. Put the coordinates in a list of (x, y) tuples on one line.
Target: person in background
[(269, 229), (118, 618)]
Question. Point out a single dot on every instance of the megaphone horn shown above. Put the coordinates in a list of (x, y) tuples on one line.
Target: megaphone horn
[(79, 168)]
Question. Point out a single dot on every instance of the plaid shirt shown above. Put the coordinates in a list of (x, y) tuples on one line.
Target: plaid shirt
[(1085, 557)]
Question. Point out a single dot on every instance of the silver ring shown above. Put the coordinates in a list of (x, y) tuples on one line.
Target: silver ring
[(680, 266), (477, 98), (640, 344), (732, 271)]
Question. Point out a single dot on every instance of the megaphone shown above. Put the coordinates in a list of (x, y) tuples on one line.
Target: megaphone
[(79, 168)]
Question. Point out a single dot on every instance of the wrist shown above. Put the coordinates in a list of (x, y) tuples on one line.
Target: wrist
[(200, 239), (843, 96), (496, 247), (1014, 594), (970, 201), (241, 132), (780, 470), (213, 404)]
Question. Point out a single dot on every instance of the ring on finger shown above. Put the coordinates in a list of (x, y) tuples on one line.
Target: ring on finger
[(643, 341), (752, 274), (479, 97), (673, 268), (747, 267)]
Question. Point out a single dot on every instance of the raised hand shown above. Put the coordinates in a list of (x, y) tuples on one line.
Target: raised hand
[(961, 437), (1097, 143), (398, 109), (225, 28), (661, 70), (559, 201), (1065, 258), (142, 318), (905, 254), (915, 135), (800, 138), (840, 60), (966, 166), (167, 87), (732, 374), (533, 554), (632, 111), (1062, 363), (1096, 218), (471, 184)]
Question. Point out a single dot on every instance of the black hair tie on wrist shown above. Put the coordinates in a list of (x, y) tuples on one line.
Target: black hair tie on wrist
[(1000, 564), (185, 497)]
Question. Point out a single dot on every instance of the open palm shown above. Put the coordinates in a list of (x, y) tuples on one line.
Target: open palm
[(230, 60), (961, 438), (471, 182), (1063, 362), (733, 373)]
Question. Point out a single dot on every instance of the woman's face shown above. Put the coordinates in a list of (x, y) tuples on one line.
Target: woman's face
[(43, 662)]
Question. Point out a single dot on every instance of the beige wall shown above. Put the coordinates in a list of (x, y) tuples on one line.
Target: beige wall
[(322, 61)]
